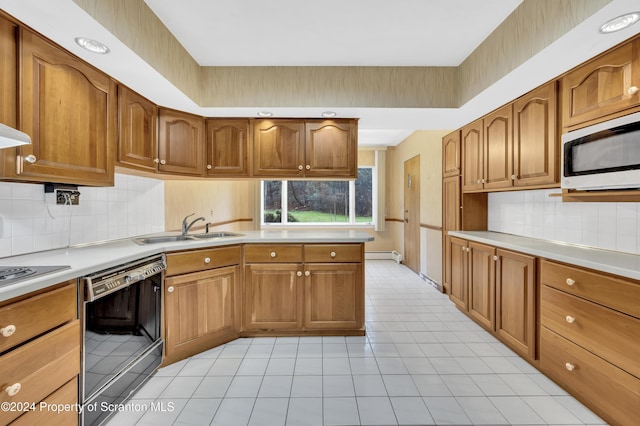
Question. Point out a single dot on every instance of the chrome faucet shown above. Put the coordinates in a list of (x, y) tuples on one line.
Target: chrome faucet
[(185, 226)]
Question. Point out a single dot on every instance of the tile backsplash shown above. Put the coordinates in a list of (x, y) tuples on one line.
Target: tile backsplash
[(611, 226), (31, 221)]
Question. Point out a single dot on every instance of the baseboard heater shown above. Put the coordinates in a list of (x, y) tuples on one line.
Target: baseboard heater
[(383, 255)]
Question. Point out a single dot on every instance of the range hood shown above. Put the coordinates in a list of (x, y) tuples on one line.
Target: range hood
[(10, 137)]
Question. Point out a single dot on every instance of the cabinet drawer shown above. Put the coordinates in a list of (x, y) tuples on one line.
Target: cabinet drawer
[(272, 253), (333, 253), (608, 390), (605, 332), (38, 314), (616, 293), (40, 367), (67, 395), (200, 260)]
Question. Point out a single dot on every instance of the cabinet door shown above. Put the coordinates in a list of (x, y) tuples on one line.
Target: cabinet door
[(227, 147), (451, 154), (333, 296), (200, 311), (69, 110), (472, 156), (482, 273), (8, 91), (138, 121), (181, 143), (451, 203), (604, 86), (456, 271), (498, 157), (535, 138), (515, 301), (273, 296), (331, 149), (278, 148)]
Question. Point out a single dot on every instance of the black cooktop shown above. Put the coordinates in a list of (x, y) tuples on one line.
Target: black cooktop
[(15, 274)]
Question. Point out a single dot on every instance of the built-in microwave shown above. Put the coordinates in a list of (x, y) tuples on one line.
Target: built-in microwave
[(603, 156)]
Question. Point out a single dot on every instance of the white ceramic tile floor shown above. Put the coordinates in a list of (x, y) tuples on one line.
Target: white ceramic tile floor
[(421, 363)]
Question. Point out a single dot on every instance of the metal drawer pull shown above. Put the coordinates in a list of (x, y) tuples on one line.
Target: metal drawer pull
[(8, 330), (569, 366), (332, 254), (570, 281), (207, 260), (299, 273), (570, 319), (273, 254), (307, 273), (170, 289), (13, 389)]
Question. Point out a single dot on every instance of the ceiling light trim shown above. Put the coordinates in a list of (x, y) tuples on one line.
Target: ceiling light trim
[(92, 46), (619, 23)]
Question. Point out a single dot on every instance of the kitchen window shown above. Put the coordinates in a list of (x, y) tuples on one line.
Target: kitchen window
[(321, 202)]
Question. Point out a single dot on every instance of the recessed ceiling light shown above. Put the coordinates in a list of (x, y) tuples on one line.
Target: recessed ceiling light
[(619, 23), (265, 114), (329, 114), (92, 45)]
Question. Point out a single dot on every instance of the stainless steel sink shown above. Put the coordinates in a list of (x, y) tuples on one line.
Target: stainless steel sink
[(189, 237), (216, 235)]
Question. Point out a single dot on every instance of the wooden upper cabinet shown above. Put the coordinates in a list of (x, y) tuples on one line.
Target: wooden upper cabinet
[(180, 143), (472, 156), (138, 123), (451, 154), (69, 110), (451, 203), (331, 149), (602, 88), (535, 138), (8, 68), (278, 148), (498, 157), (227, 147)]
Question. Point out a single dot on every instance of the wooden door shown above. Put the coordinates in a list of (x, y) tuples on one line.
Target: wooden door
[(535, 138), (69, 110), (138, 122), (332, 295), (200, 311), (181, 143), (482, 274), (451, 154), (331, 148), (456, 271), (498, 154), (515, 301), (227, 147), (602, 87), (412, 213), (278, 148), (472, 156), (273, 296)]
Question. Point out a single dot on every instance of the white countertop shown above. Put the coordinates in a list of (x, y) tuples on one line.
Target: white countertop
[(618, 263), (86, 259)]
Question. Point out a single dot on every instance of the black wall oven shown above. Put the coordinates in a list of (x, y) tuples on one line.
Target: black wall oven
[(122, 344)]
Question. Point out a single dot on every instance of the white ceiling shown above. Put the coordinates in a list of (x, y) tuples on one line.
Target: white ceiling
[(372, 32), (331, 32)]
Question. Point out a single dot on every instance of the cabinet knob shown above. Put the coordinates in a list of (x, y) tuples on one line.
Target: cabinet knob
[(209, 167), (632, 90), (482, 181), (30, 158), (156, 160), (569, 366), (13, 389), (299, 273), (570, 319), (308, 167), (8, 330), (300, 167), (207, 260), (274, 254), (307, 273), (513, 177), (570, 281), (163, 161), (170, 289), (496, 257), (332, 254), (478, 181)]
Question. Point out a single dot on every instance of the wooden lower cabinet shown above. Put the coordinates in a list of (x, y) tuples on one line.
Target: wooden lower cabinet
[(200, 311), (273, 296), (66, 396), (482, 274), (332, 295), (456, 271)]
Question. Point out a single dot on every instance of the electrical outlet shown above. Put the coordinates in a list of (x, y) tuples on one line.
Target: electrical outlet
[(64, 196)]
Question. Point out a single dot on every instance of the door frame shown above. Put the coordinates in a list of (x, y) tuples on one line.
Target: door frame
[(411, 216)]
